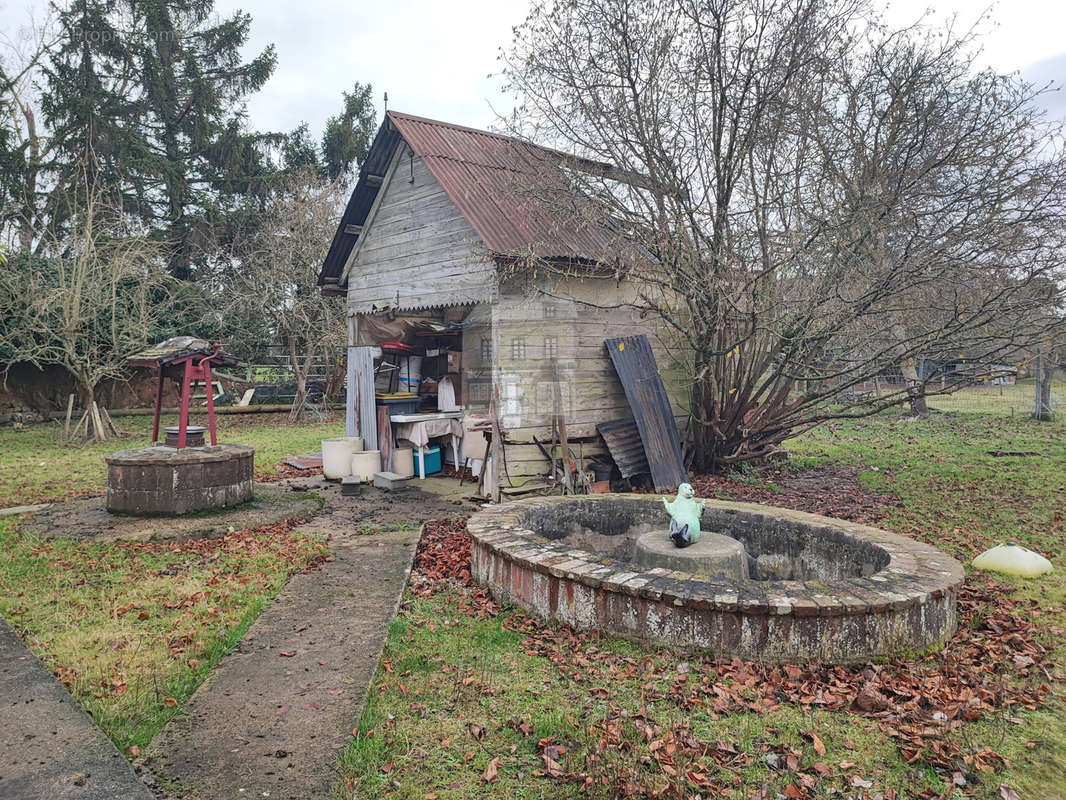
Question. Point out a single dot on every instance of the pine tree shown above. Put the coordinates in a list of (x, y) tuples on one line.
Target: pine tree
[(348, 135), (90, 109), (194, 85), (148, 96)]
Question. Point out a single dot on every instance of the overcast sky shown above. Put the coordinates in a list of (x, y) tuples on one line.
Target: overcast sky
[(433, 57)]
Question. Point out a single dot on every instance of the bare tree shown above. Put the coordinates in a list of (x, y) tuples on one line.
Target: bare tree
[(271, 283), (27, 203), (96, 299), (822, 200)]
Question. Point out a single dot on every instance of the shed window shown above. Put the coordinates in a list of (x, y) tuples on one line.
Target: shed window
[(486, 349), (549, 311), (551, 347), (518, 348)]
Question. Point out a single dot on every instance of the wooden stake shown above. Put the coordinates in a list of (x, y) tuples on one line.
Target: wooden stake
[(83, 421), (70, 410), (110, 422), (98, 424), (557, 420), (496, 449)]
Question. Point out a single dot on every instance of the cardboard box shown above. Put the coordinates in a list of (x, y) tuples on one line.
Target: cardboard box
[(455, 360)]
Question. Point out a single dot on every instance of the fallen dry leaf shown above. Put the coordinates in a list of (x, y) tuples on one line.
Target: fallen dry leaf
[(816, 741), (492, 771)]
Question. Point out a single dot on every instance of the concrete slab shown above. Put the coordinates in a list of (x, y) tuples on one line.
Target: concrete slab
[(16, 510), (272, 718), (52, 749), (390, 481)]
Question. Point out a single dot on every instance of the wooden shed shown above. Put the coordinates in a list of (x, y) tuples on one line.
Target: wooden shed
[(425, 255)]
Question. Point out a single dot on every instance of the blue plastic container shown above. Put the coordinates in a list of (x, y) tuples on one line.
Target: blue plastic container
[(431, 458), (400, 405)]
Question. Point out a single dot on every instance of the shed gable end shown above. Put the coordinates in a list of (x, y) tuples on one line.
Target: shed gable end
[(416, 249)]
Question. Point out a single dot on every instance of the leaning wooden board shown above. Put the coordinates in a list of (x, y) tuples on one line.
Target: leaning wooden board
[(635, 364)]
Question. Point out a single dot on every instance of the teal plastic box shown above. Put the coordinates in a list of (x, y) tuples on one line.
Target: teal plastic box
[(431, 458)]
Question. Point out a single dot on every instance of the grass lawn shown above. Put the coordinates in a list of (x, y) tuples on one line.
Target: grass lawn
[(133, 628), (466, 707), (36, 466)]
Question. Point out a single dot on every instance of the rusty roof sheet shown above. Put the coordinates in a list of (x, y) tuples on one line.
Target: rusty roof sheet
[(516, 195)]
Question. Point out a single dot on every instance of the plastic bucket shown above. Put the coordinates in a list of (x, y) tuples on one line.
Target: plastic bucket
[(403, 461), (355, 444), (411, 374), (336, 458), (365, 464)]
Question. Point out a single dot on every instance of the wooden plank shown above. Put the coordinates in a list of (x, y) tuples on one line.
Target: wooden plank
[(384, 428), (633, 359), (351, 423)]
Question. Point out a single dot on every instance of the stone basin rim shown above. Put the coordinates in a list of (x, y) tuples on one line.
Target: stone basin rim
[(915, 572)]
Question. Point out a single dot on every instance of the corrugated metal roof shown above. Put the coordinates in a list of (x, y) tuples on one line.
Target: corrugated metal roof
[(515, 195)]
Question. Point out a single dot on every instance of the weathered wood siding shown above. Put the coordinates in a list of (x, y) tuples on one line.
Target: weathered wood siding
[(416, 250), (529, 334), (477, 359)]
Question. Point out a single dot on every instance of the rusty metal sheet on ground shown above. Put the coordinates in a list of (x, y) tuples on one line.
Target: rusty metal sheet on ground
[(625, 447), (634, 362)]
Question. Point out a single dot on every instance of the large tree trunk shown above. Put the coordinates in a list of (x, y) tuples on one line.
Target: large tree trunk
[(915, 389), (300, 370), (1044, 374)]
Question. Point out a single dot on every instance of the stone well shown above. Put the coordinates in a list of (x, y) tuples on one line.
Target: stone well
[(819, 589), (163, 480)]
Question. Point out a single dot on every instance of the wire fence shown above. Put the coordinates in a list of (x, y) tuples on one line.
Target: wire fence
[(1005, 400), (1005, 397)]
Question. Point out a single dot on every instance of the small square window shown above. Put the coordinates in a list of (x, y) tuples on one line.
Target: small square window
[(518, 348), (549, 311), (551, 347), (486, 348)]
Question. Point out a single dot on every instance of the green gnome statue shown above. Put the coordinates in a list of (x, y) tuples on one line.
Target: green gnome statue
[(684, 513)]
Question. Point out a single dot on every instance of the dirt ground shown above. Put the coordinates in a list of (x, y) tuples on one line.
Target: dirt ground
[(832, 491), (86, 518), (376, 509)]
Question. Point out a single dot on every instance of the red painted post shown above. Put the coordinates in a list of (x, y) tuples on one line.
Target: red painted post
[(206, 365), (158, 406), (186, 392)]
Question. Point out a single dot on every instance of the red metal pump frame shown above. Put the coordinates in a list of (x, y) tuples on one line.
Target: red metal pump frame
[(196, 368)]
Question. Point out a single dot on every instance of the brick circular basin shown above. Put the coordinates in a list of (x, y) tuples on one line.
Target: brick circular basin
[(163, 481), (820, 589)]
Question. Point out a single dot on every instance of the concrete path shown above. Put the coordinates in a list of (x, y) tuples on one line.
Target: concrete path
[(14, 511), (272, 718), (52, 750)]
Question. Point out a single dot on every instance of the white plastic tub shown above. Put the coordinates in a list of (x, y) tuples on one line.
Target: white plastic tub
[(336, 458), (403, 461), (365, 464)]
